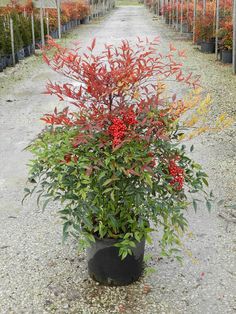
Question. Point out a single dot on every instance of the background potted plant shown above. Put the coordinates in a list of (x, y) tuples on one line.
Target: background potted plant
[(113, 159), (7, 47), (226, 41), (3, 62), (18, 42), (205, 33), (26, 34)]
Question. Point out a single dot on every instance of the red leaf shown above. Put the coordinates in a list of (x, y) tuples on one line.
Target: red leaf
[(93, 43)]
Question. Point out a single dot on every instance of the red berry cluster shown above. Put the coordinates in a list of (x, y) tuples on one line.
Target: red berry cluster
[(119, 126), (117, 130), (177, 173)]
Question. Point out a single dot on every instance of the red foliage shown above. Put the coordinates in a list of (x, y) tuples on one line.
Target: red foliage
[(115, 93), (113, 90)]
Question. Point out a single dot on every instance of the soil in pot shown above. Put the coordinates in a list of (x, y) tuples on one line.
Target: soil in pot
[(226, 56), (207, 47), (106, 266)]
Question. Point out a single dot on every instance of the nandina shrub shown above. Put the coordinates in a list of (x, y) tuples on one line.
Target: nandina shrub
[(205, 24), (72, 10), (226, 34), (113, 158), (53, 21)]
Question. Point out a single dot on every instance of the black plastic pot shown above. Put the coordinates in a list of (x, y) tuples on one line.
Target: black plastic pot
[(185, 28), (32, 49), (63, 28), (27, 51), (85, 20), (1, 66), (106, 266), (9, 59), (4, 62), (207, 47), (226, 56), (21, 54), (54, 34)]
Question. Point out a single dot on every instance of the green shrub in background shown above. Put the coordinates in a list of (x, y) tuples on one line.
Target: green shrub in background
[(6, 37), (18, 42), (37, 29), (2, 36), (25, 30)]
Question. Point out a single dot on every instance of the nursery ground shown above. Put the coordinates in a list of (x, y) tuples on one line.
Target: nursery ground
[(40, 275)]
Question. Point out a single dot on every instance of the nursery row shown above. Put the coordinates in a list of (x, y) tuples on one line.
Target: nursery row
[(28, 34), (209, 23)]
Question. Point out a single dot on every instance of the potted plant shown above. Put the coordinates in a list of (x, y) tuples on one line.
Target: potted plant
[(18, 42), (205, 33), (7, 47), (113, 160), (37, 31), (226, 41), (25, 30), (3, 62)]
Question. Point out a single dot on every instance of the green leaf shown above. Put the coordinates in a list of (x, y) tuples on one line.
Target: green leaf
[(192, 148), (65, 230), (113, 195), (208, 204), (108, 181), (205, 181), (107, 190), (137, 236), (45, 204), (90, 237), (221, 202), (128, 235), (148, 179), (132, 244), (123, 255), (149, 239), (147, 257)]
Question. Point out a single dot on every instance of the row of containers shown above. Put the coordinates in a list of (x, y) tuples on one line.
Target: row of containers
[(23, 27), (208, 23), (26, 48)]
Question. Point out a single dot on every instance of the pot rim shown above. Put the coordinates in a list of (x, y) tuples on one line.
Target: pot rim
[(111, 240)]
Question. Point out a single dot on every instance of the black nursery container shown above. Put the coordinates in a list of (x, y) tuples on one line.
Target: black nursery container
[(226, 56), (20, 54), (27, 51), (9, 59), (208, 47), (106, 266), (4, 62)]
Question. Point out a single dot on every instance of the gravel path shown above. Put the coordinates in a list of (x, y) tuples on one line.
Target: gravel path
[(40, 275)]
